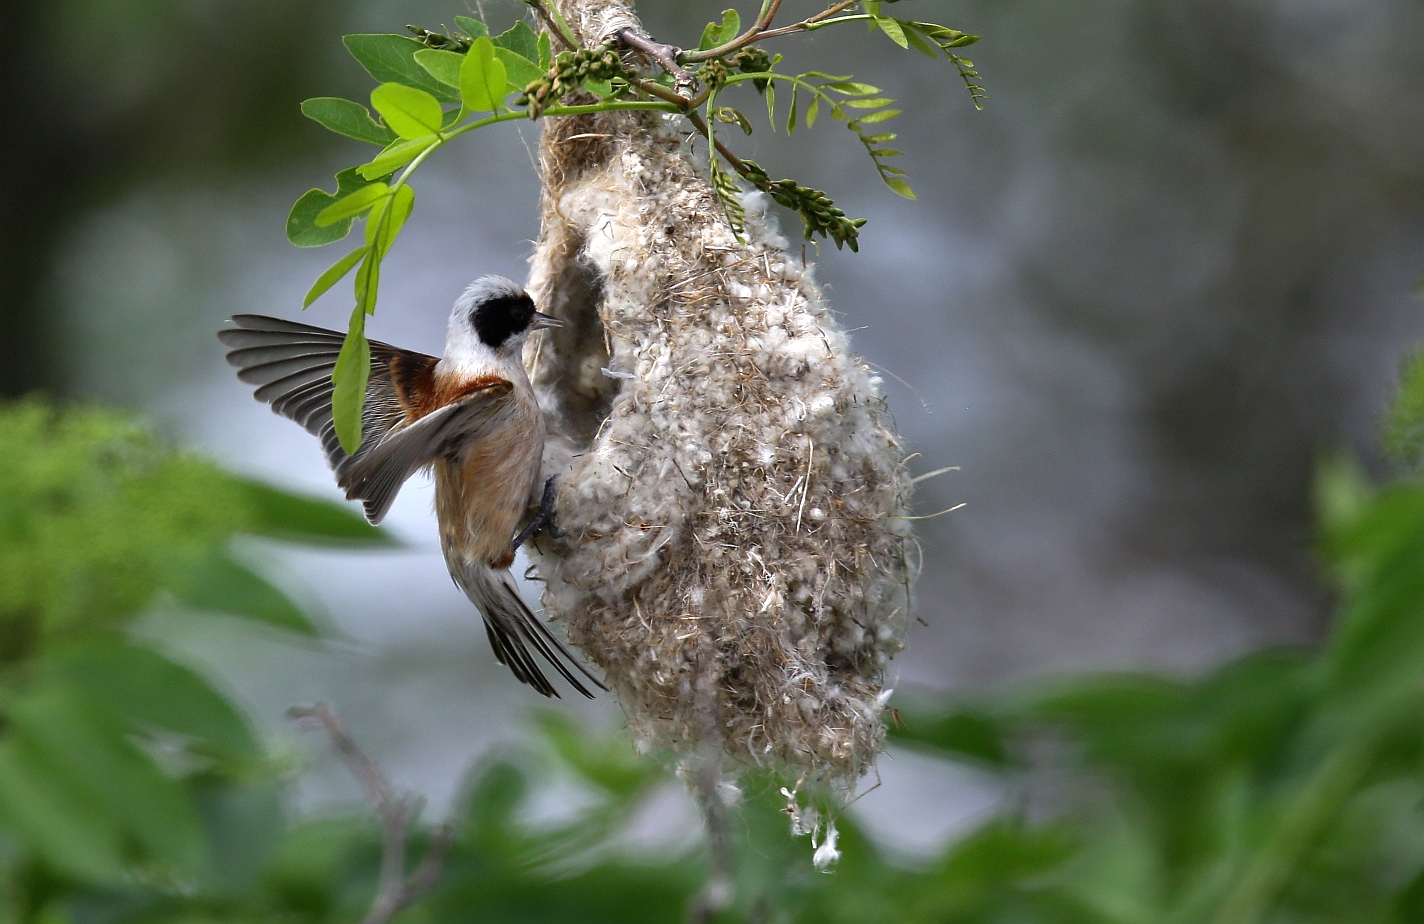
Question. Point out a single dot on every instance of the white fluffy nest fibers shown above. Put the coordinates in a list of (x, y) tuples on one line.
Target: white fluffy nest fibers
[(737, 554)]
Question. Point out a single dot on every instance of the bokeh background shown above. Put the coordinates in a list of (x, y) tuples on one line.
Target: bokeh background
[(1170, 267)]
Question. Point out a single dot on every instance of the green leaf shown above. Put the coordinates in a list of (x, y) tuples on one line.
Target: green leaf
[(917, 41), (302, 228), (350, 180), (347, 118), (521, 40), (381, 230), (396, 156), (606, 761), (721, 33), (879, 139), (482, 78), (89, 753), (150, 691), (962, 732), (444, 66), (471, 27), (353, 369), (333, 275), (391, 59), (870, 103), (278, 514), (368, 278), (411, 113), (218, 583), (899, 185), (1404, 422), (791, 116), (519, 71), (352, 205), (943, 36), (546, 52), (812, 111), (852, 88), (880, 116), (771, 104), (75, 836), (891, 27), (244, 821)]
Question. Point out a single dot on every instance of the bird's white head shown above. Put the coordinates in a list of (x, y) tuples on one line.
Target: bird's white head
[(490, 322)]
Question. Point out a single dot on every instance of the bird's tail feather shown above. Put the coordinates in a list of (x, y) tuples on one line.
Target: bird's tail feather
[(513, 629)]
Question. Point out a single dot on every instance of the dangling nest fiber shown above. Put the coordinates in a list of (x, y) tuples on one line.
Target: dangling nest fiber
[(736, 554)]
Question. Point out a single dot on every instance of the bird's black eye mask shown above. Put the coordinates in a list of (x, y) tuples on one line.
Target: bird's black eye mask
[(498, 319)]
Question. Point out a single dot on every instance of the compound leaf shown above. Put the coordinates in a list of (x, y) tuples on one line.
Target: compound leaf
[(278, 514), (471, 27), (482, 77), (352, 205), (151, 691), (521, 40), (444, 66), (333, 275), (391, 59), (221, 584), (899, 185), (347, 118), (410, 112), (302, 229), (519, 70), (396, 156), (353, 369), (891, 27)]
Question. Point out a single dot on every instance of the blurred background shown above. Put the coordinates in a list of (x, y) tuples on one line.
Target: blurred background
[(1170, 267)]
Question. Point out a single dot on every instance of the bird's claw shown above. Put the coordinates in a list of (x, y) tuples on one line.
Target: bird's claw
[(544, 518)]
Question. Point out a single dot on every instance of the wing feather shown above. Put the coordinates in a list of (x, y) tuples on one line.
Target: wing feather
[(292, 363), (376, 476)]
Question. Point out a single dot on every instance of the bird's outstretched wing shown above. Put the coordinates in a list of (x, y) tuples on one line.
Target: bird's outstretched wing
[(291, 364)]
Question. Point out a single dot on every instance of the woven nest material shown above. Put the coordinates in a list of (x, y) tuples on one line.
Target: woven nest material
[(736, 555)]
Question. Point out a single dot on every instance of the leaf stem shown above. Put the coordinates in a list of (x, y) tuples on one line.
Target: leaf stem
[(761, 30), (1301, 822), (811, 25), (554, 21)]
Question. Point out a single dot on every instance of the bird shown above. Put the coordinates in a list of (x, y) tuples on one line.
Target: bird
[(470, 416)]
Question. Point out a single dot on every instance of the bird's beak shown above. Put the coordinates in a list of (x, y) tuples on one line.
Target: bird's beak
[(542, 320)]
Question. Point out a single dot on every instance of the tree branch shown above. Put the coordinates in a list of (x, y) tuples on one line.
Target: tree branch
[(395, 812), (555, 24), (664, 55)]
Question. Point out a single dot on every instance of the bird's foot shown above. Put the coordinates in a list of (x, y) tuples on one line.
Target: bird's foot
[(544, 518)]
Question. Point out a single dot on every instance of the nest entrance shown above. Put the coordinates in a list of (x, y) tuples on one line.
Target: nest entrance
[(570, 360)]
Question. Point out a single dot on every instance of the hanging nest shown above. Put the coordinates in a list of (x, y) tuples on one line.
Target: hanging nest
[(736, 550)]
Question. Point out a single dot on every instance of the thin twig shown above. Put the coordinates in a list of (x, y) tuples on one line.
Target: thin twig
[(665, 56), (556, 25), (768, 13), (396, 813), (761, 31)]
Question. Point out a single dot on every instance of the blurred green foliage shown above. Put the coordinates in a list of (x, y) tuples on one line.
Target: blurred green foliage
[(1284, 786), (116, 761)]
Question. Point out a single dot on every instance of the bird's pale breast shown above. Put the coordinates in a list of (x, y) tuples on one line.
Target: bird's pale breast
[(483, 488)]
